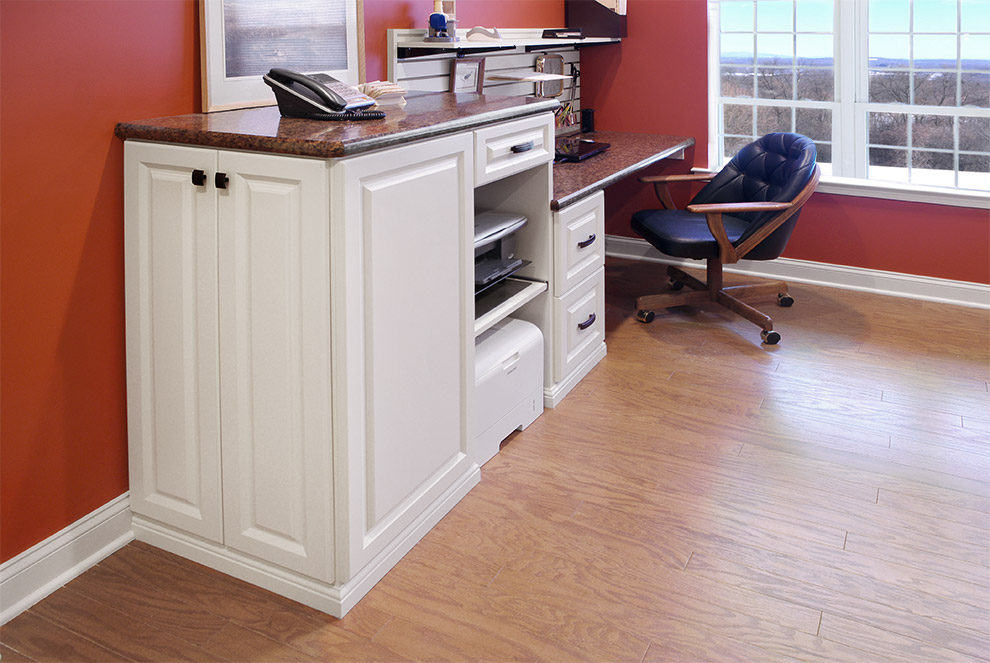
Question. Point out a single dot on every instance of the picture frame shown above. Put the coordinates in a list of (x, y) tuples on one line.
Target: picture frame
[(467, 75), (240, 40)]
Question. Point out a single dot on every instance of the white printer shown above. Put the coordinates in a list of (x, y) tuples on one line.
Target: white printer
[(508, 382)]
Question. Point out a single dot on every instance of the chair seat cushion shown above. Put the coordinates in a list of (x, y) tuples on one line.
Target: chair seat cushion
[(683, 234)]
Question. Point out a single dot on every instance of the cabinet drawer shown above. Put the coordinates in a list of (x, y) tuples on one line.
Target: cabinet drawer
[(579, 242), (511, 147), (579, 318)]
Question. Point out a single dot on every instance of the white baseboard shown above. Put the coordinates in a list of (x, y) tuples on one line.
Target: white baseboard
[(40, 570), (946, 291)]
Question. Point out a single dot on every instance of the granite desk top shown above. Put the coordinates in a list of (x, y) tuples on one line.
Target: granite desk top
[(425, 115), (629, 153)]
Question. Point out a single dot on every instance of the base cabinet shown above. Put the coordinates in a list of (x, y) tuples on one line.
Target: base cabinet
[(297, 377)]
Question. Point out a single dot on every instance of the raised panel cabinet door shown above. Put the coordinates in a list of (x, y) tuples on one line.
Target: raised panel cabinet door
[(275, 360), (170, 254), (579, 242), (404, 335)]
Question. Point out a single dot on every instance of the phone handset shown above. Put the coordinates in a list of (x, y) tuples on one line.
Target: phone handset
[(318, 96)]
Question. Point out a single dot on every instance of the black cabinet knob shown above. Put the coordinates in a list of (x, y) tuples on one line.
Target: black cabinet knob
[(221, 180), (199, 177)]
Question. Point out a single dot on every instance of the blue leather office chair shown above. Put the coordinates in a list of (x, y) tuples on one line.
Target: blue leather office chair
[(747, 210)]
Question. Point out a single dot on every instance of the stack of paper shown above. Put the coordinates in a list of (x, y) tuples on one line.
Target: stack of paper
[(385, 93)]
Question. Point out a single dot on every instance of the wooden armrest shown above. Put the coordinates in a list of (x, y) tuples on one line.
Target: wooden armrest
[(688, 177), (730, 208), (660, 183)]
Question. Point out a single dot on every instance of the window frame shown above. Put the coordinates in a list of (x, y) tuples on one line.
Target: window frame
[(850, 128)]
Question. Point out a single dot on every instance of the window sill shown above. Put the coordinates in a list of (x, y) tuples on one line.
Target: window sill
[(848, 186)]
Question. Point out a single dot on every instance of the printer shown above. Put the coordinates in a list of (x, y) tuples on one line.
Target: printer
[(494, 247)]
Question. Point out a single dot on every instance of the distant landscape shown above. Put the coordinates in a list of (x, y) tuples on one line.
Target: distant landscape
[(931, 83)]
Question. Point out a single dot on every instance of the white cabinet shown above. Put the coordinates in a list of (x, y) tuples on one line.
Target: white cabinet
[(579, 295), (300, 351), (228, 350)]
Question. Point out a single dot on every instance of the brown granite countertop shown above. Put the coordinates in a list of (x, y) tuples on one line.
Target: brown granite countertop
[(425, 115), (629, 153)]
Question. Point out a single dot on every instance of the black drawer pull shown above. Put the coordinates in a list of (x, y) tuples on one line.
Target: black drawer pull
[(523, 147), (588, 242), (199, 178), (587, 323), (221, 180)]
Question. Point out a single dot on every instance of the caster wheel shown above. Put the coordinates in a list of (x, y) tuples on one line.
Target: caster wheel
[(645, 316), (783, 299), (770, 337), (674, 284)]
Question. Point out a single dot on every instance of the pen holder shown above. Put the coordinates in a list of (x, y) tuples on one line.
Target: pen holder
[(565, 122)]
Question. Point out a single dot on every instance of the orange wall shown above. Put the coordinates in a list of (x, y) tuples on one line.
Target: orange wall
[(656, 80), (70, 71)]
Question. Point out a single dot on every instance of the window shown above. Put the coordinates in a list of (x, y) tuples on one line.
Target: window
[(890, 90)]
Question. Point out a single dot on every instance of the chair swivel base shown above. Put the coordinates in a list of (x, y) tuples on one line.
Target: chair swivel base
[(714, 291)]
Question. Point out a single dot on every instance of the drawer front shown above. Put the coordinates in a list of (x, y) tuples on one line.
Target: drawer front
[(579, 242), (511, 147), (579, 318)]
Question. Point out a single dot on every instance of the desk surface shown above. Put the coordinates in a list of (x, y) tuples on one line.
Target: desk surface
[(629, 153), (425, 115)]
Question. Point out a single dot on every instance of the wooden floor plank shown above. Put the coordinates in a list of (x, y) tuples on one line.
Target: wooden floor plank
[(240, 645), (13, 656), (625, 593), (825, 565), (115, 629), (529, 626), (179, 618), (34, 638), (941, 562), (964, 492), (940, 622), (880, 520), (686, 643), (880, 643), (908, 505)]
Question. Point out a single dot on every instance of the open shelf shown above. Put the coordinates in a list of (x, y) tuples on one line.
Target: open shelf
[(502, 300)]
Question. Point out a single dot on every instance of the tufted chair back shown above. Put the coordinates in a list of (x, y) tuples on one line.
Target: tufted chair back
[(774, 168)]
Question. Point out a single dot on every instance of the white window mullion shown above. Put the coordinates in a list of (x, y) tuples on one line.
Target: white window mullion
[(714, 86), (850, 155)]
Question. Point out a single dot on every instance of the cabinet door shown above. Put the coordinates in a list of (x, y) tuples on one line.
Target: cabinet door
[(171, 304), (404, 338), (275, 360)]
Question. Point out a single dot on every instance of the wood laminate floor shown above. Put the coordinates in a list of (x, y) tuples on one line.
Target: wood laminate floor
[(698, 497)]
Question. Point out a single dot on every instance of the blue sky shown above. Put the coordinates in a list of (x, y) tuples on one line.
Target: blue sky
[(936, 20)]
